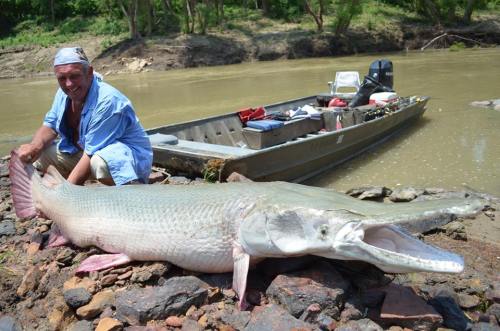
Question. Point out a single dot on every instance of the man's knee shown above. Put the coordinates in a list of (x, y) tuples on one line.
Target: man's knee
[(63, 162), (100, 170)]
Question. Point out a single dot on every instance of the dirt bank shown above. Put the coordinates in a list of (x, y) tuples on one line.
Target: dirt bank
[(182, 51)]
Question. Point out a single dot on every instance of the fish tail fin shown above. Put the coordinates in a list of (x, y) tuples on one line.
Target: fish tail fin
[(21, 175)]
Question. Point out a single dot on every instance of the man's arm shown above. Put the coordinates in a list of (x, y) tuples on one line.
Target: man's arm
[(43, 137), (81, 171)]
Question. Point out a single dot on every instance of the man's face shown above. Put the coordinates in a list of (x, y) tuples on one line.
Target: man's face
[(74, 80)]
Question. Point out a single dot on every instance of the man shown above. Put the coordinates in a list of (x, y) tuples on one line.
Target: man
[(100, 135)]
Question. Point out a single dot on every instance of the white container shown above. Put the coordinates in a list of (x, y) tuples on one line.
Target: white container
[(382, 98)]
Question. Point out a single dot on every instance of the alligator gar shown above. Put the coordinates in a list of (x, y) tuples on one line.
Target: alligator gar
[(220, 227)]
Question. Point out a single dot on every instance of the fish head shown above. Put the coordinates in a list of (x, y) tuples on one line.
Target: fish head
[(335, 234)]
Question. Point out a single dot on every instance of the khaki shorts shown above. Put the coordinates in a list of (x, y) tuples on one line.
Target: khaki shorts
[(65, 163)]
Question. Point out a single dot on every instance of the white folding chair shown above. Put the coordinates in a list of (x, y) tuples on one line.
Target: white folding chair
[(345, 79)]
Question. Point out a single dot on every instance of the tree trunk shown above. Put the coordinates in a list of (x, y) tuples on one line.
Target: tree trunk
[(468, 11), (52, 12), (149, 17), (130, 11), (318, 17), (265, 7)]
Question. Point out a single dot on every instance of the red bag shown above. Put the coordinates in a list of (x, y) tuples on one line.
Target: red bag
[(337, 102), (249, 114)]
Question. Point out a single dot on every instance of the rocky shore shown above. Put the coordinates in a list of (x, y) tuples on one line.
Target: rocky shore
[(40, 291), (232, 46)]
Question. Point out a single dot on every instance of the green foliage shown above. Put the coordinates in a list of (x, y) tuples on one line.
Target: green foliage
[(457, 46), (108, 26), (74, 25), (345, 11)]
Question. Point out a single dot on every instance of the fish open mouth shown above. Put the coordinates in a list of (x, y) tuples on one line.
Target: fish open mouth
[(393, 250)]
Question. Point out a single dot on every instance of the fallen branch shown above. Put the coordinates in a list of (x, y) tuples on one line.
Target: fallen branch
[(450, 35)]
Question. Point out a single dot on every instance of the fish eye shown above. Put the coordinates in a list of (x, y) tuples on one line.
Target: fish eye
[(323, 231)]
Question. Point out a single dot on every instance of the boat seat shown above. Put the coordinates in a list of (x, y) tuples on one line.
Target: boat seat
[(345, 79), (160, 138), (206, 149)]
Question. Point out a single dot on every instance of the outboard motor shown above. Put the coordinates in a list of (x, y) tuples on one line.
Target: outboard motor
[(381, 71), (379, 79), (367, 88)]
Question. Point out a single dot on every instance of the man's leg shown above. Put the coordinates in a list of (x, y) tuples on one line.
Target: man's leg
[(63, 162), (100, 171)]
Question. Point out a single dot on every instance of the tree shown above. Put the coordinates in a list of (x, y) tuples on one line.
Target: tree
[(344, 13), (129, 9), (316, 10)]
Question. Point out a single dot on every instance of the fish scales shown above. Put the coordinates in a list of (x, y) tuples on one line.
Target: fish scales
[(193, 227)]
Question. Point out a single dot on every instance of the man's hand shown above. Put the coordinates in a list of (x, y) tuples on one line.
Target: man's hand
[(29, 153)]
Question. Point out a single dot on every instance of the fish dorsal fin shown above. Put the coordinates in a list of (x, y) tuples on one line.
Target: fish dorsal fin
[(52, 178)]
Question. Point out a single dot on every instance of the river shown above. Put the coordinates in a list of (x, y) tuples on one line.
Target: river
[(453, 146)]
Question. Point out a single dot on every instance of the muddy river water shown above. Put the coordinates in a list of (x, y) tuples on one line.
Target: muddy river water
[(454, 145)]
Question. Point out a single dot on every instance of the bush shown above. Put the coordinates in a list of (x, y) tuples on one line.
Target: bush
[(74, 25), (457, 46), (107, 26)]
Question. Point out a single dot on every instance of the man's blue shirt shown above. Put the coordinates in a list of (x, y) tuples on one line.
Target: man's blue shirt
[(108, 128)]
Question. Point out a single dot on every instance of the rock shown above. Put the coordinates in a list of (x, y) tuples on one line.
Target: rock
[(325, 322), (493, 294), (7, 228), (455, 230), (109, 324), (77, 297), (468, 301), (8, 323), (494, 310), (174, 321), (100, 301), (190, 325), (74, 282), (274, 318), (366, 193), (453, 316), (237, 319), (65, 256), (179, 180), (30, 281), (403, 307), (350, 312), (297, 291), (177, 294), (483, 326), (108, 280), (81, 326), (492, 104), (4, 170), (405, 194), (156, 177), (149, 273), (360, 325)]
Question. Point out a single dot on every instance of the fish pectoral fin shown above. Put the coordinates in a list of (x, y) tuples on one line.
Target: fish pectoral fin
[(56, 238), (103, 261), (240, 271)]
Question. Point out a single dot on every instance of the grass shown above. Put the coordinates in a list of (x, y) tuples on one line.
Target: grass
[(32, 32)]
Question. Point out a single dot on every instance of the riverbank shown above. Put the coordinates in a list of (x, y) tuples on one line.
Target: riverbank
[(41, 292), (185, 51)]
